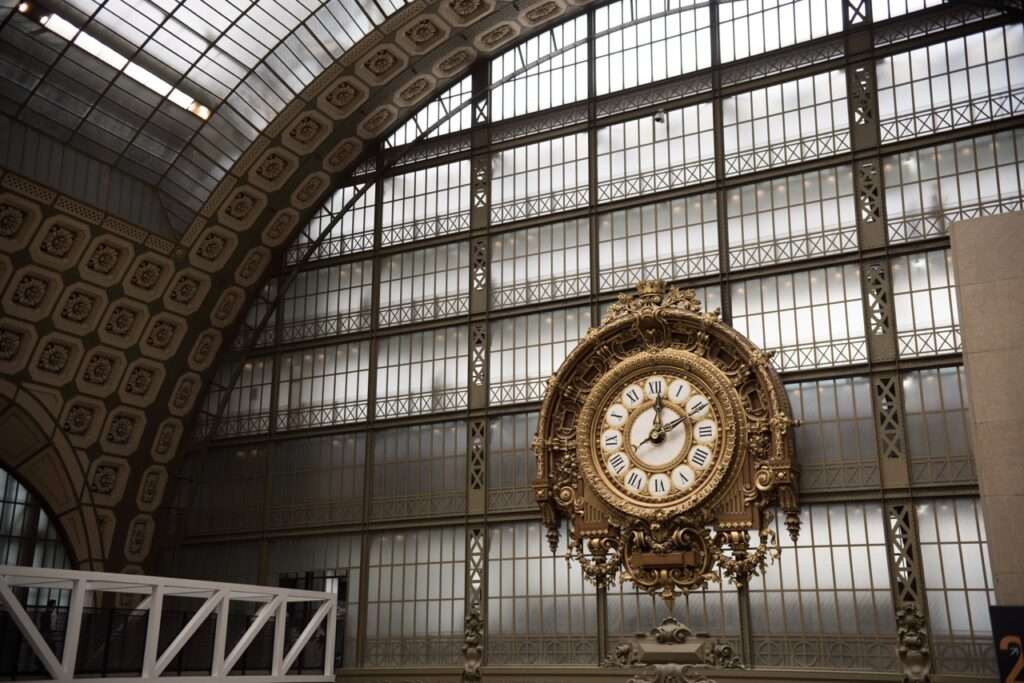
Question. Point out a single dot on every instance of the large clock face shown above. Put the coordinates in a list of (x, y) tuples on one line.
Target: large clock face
[(658, 431), (659, 436)]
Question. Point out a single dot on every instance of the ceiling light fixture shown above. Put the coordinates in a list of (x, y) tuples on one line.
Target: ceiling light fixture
[(71, 33)]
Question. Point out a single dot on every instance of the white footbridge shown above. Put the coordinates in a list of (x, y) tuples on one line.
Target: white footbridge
[(313, 615)]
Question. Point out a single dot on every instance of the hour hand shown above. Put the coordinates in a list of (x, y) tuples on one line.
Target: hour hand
[(657, 411)]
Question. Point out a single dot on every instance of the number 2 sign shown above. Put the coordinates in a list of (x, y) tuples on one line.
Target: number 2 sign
[(1008, 632)]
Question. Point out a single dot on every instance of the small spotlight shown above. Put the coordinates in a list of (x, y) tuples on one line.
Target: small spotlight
[(43, 19), (24, 7), (659, 116), (200, 110)]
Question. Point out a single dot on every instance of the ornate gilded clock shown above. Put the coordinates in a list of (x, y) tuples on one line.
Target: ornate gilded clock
[(664, 439)]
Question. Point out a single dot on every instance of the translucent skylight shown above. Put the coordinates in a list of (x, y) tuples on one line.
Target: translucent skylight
[(68, 31)]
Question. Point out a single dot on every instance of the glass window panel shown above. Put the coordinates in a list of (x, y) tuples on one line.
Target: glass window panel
[(415, 603), (419, 471), (654, 153), (247, 410), (437, 109), (643, 42), (323, 386), (886, 9), (327, 301), (425, 203), (671, 240), (544, 263), (423, 372), (792, 218), (424, 284), (353, 231), (958, 584), (540, 610), (935, 404), (751, 27), (809, 319), (511, 465), (28, 537), (924, 301), (559, 79), (826, 601), (317, 480), (961, 82), (526, 349), (928, 189), (310, 562), (785, 123), (226, 490), (836, 435), (539, 178)]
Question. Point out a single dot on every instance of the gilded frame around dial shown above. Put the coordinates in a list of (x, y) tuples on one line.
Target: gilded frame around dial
[(729, 446)]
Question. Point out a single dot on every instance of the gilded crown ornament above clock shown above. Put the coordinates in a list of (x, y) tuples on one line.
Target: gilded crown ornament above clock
[(665, 441)]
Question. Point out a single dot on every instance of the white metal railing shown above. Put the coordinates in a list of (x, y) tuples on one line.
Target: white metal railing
[(270, 602)]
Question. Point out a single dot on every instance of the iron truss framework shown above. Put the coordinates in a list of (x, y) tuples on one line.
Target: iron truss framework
[(855, 51)]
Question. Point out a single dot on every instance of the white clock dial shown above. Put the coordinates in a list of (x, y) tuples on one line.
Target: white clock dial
[(636, 479), (654, 387), (705, 431), (616, 415), (678, 391), (697, 406), (657, 453), (618, 463), (633, 396), (700, 457), (659, 485), (611, 440), (683, 477)]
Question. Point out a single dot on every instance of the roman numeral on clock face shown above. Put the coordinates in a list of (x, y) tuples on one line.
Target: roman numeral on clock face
[(618, 464), (700, 456), (636, 479)]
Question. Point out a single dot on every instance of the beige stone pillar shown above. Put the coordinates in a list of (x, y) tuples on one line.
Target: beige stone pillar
[(988, 260)]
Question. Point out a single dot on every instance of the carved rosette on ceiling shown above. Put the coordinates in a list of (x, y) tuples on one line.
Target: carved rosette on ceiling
[(687, 514)]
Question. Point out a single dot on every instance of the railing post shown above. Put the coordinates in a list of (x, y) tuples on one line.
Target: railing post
[(156, 609), (220, 636), (278, 657), (73, 632), (332, 628)]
